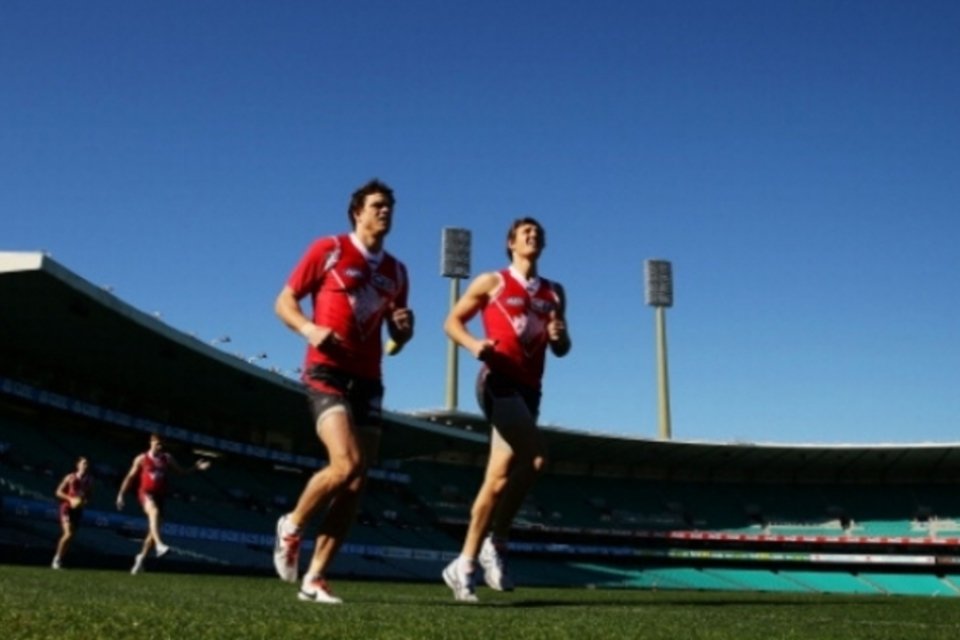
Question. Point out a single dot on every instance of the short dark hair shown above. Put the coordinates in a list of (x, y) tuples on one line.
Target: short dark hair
[(359, 197), (519, 222)]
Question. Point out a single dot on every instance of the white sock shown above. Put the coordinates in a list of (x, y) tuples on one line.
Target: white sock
[(289, 528), (465, 564)]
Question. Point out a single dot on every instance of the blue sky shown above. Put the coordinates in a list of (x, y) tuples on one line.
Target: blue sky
[(797, 162)]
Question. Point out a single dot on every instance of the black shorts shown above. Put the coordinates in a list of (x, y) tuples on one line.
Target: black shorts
[(493, 386), (361, 397), (73, 515)]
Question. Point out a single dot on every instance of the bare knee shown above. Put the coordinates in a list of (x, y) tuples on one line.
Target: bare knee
[(538, 464), (346, 475), (530, 468)]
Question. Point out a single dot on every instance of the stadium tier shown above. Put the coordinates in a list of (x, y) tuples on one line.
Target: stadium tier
[(608, 511)]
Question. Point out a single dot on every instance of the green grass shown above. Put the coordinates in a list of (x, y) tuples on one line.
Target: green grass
[(41, 603)]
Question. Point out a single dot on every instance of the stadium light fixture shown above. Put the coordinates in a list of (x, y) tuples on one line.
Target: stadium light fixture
[(659, 295), (454, 264), (259, 356), (220, 340)]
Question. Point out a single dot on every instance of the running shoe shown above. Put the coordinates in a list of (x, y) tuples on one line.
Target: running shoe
[(137, 564), (286, 552), (493, 559), (460, 582), (317, 590)]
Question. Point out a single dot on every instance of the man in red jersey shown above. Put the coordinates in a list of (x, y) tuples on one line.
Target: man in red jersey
[(74, 492), (355, 287), (153, 466), (522, 315)]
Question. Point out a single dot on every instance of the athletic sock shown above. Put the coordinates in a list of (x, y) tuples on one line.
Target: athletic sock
[(290, 529), (465, 564)]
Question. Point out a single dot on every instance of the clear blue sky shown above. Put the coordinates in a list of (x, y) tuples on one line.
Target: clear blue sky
[(798, 162)]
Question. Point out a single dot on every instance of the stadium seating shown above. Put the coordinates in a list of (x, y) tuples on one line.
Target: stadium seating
[(408, 530), (909, 584)]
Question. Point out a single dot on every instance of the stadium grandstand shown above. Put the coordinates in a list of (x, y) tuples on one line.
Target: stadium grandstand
[(610, 511)]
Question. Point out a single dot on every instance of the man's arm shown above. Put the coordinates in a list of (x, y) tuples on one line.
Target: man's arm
[(201, 464), (134, 468), (473, 299), (400, 317), (288, 308), (61, 492), (557, 332)]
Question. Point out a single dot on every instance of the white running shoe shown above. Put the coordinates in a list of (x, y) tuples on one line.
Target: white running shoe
[(55, 564), (286, 552), (137, 564), (317, 590), (493, 559), (162, 549), (460, 582)]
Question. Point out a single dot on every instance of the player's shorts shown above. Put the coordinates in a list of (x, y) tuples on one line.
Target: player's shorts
[(157, 498), (493, 387), (74, 516), (361, 398)]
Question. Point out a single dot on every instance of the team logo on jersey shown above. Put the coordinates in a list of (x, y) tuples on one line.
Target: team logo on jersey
[(332, 259), (367, 303), (515, 301), (519, 324), (353, 272)]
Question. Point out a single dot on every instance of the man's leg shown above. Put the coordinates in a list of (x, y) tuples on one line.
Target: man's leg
[(335, 430), (522, 476), (154, 521), (345, 460), (510, 440), (152, 537), (460, 574), (481, 513), (343, 510), (64, 543), (515, 431)]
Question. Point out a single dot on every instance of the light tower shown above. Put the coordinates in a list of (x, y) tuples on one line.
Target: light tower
[(659, 295), (454, 264)]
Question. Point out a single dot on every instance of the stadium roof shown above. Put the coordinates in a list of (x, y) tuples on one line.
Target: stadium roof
[(57, 327)]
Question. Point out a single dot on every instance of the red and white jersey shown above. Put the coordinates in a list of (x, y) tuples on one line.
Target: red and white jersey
[(78, 486), (153, 473), (352, 292), (516, 316)]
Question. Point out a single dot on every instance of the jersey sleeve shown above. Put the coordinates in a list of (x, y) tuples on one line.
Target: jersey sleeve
[(309, 272)]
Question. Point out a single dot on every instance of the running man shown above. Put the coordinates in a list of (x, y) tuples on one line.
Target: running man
[(355, 288), (152, 466), (74, 492), (522, 314)]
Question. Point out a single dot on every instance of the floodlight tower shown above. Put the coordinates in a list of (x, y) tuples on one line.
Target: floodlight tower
[(454, 264), (659, 295)]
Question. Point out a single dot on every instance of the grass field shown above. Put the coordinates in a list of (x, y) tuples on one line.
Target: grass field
[(41, 603)]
